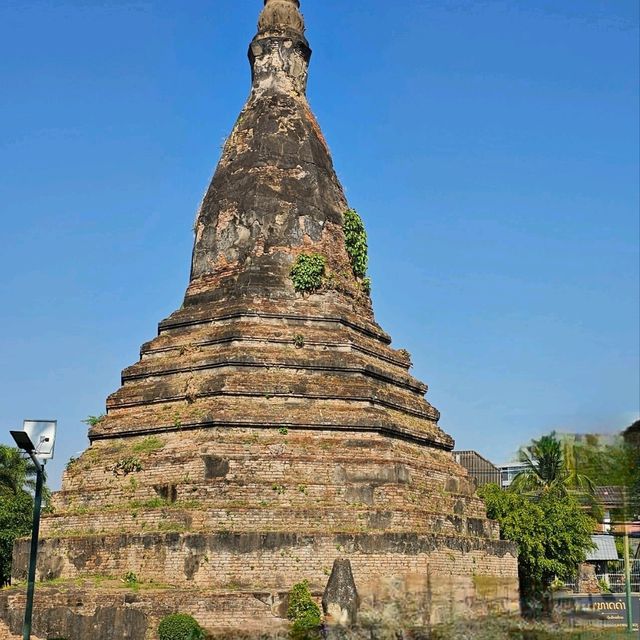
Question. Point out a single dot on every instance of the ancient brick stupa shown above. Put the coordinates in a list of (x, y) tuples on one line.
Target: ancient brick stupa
[(270, 428)]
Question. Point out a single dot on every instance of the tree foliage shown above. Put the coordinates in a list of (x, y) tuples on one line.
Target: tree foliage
[(16, 504), (551, 530), (608, 463), (15, 522), (16, 473), (611, 463)]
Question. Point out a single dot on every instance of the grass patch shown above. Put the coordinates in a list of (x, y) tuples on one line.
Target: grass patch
[(149, 445)]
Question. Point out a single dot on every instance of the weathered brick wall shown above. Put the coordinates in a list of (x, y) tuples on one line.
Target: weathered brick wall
[(245, 479), (120, 614), (436, 585), (267, 560)]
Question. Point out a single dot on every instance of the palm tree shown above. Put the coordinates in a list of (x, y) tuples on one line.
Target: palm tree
[(550, 466), (543, 466), (16, 473)]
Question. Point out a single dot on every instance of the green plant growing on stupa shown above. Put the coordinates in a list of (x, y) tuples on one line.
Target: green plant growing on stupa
[(94, 421), (304, 613), (152, 444), (180, 626), (127, 465), (130, 578), (355, 237), (308, 272)]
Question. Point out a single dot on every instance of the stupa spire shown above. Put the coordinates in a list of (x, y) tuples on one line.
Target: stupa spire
[(275, 193), (281, 16), (280, 53)]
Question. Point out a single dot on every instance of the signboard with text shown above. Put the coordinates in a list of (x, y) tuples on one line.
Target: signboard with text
[(608, 610)]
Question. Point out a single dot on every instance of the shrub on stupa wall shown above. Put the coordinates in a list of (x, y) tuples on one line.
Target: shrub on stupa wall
[(180, 626), (304, 613), (355, 237), (308, 272)]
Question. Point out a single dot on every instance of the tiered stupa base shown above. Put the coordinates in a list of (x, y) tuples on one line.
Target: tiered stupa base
[(254, 512)]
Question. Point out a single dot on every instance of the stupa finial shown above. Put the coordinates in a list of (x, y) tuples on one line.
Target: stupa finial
[(281, 16)]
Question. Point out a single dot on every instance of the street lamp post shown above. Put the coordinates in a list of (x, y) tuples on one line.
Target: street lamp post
[(44, 433), (627, 580)]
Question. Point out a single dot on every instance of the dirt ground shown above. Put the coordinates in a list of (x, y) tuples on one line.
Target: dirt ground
[(5, 634)]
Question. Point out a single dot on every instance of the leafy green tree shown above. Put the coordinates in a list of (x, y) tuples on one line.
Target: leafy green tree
[(544, 470), (553, 534), (16, 510), (611, 463), (17, 482)]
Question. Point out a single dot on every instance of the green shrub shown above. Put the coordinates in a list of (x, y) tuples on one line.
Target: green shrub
[(127, 466), (308, 272), (355, 237), (130, 577), (303, 612), (180, 626), (307, 628)]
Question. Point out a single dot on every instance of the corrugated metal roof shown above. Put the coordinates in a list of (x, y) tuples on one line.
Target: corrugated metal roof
[(605, 549)]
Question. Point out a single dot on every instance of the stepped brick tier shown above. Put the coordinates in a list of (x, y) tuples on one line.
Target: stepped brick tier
[(265, 432)]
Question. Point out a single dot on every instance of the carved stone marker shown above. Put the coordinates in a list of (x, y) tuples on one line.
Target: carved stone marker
[(340, 599)]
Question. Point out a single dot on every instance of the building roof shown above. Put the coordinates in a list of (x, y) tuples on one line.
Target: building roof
[(512, 466), (469, 453), (610, 496), (605, 548)]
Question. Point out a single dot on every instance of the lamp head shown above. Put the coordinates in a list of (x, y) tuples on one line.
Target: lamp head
[(23, 441)]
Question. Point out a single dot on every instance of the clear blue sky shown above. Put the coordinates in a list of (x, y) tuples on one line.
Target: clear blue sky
[(490, 145)]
